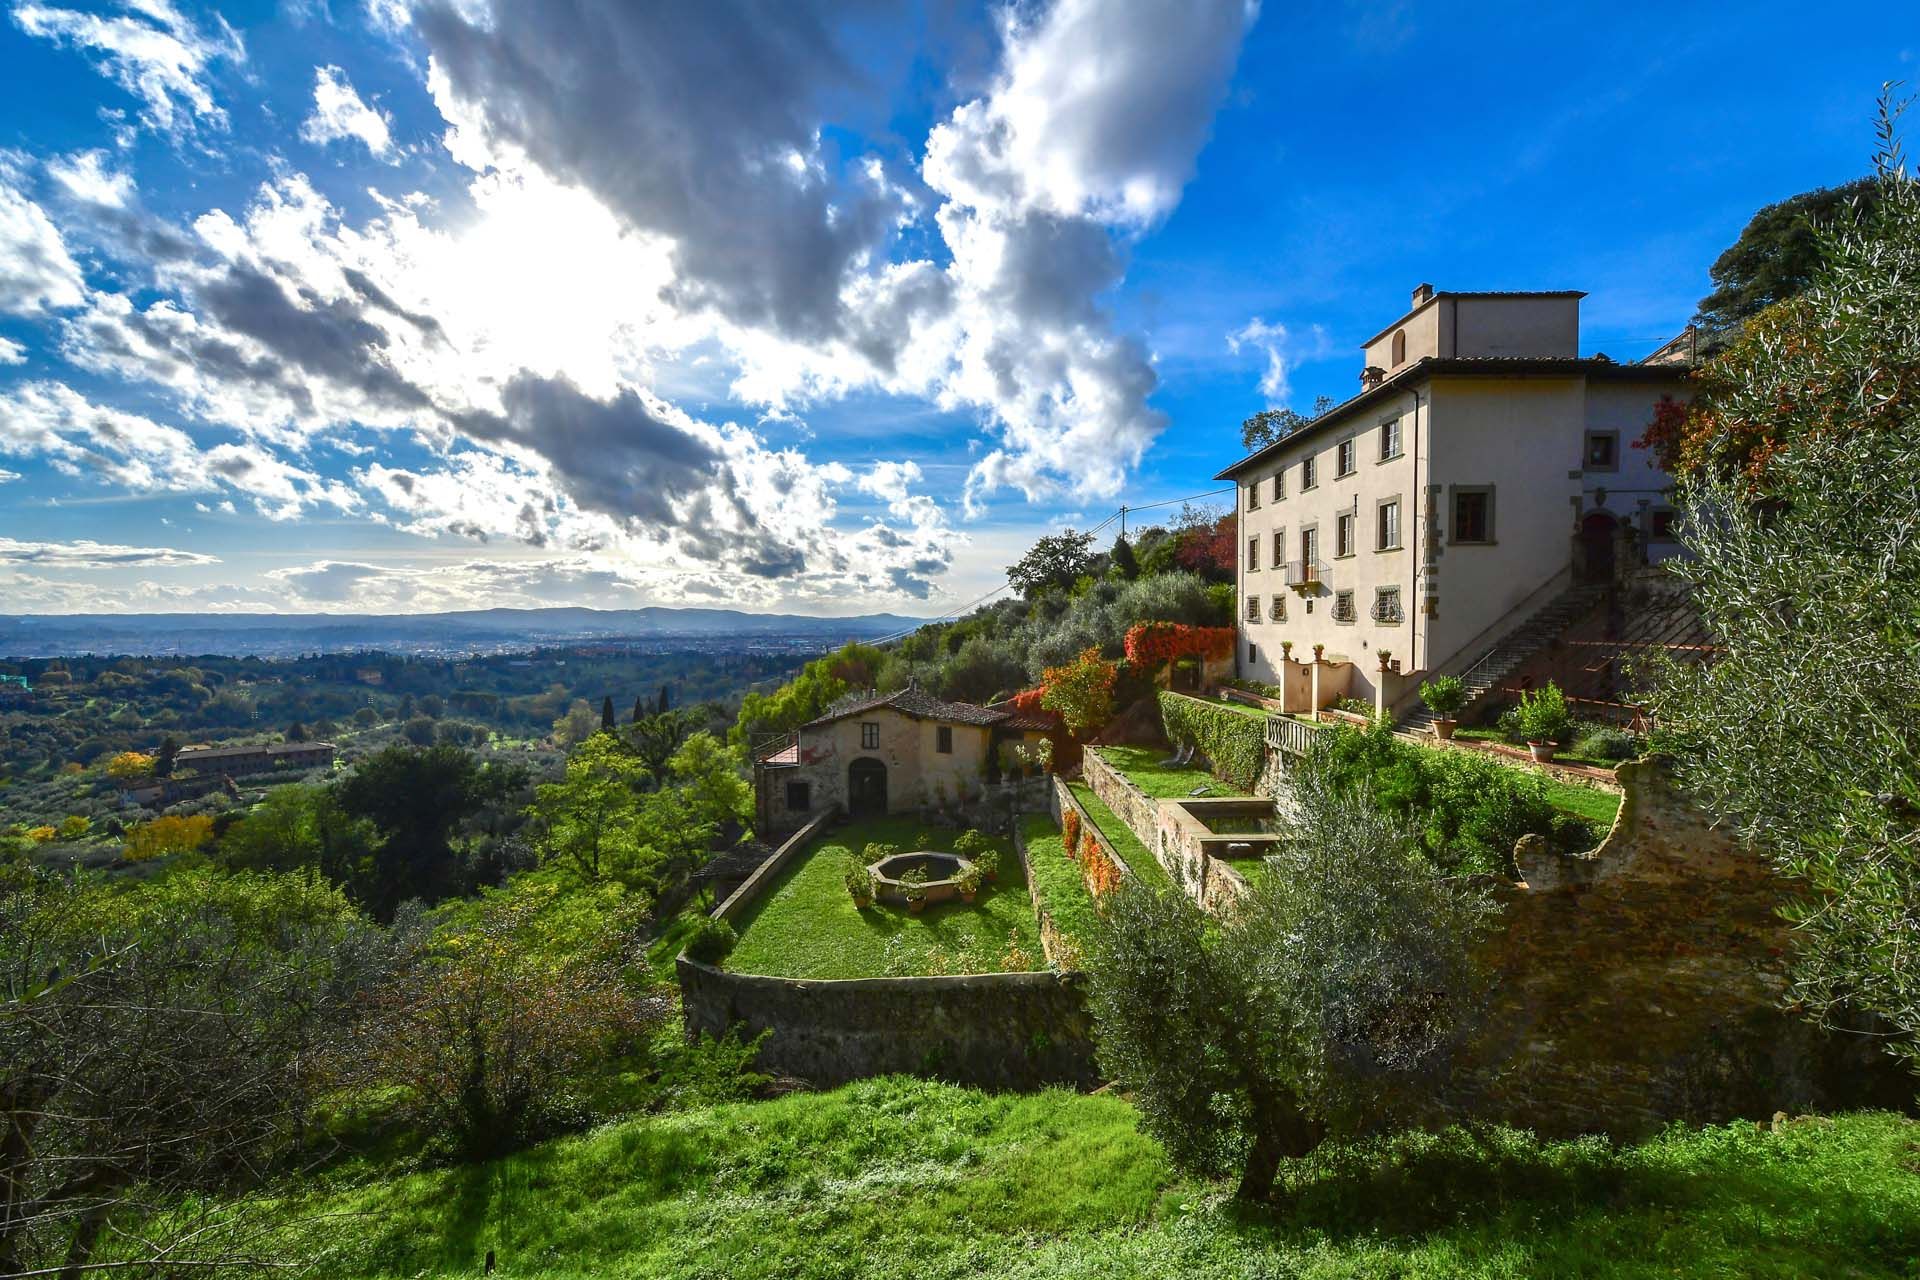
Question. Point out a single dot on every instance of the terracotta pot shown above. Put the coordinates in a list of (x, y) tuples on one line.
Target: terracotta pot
[(969, 897), (1542, 752), (916, 905), (861, 904), (1443, 729)]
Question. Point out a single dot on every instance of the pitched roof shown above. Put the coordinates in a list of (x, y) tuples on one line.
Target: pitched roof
[(909, 701), (1464, 366)]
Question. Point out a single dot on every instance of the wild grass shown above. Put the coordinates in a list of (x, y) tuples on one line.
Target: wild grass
[(808, 927), (1135, 854), (906, 1178), (1058, 883), (1142, 767)]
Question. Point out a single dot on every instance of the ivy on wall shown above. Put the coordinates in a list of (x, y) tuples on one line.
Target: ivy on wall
[(1235, 744)]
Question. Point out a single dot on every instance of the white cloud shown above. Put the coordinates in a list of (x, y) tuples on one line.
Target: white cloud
[(340, 115), (85, 554), (154, 52), (6, 475), (36, 270), (1283, 354), (85, 176), (12, 352)]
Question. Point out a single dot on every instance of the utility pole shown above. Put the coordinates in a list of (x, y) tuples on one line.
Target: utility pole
[(1123, 520)]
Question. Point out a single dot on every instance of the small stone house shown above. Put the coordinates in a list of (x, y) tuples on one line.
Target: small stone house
[(881, 753)]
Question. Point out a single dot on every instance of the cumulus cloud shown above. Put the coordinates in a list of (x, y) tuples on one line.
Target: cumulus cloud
[(340, 115), (84, 554), (706, 135), (85, 177), (36, 271), (154, 52), (12, 352)]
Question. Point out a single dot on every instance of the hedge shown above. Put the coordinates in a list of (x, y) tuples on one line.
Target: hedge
[(1233, 743)]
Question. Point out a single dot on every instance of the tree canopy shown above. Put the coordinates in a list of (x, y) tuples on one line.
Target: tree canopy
[(1778, 254)]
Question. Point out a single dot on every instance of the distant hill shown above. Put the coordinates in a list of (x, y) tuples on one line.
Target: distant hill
[(473, 630)]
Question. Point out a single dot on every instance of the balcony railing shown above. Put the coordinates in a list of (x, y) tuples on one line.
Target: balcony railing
[(1303, 575)]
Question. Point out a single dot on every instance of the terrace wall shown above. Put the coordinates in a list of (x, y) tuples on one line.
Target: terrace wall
[(994, 1030)]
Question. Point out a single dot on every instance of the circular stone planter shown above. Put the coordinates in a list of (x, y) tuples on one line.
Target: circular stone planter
[(943, 870)]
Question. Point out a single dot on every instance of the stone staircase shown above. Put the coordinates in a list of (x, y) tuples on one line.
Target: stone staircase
[(1518, 645)]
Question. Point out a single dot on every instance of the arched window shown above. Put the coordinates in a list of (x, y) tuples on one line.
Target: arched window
[(1400, 347)]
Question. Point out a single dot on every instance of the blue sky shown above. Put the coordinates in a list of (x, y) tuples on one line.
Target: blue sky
[(393, 306)]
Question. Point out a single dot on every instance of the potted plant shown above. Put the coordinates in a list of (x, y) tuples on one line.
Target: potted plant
[(969, 880), (988, 860), (1286, 651), (1443, 695), (914, 885), (1543, 720), (1386, 656), (1318, 650), (859, 881)]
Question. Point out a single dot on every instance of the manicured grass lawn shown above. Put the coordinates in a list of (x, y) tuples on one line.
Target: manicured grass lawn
[(1563, 756), (897, 1178), (1132, 852), (1597, 807), (1142, 766), (807, 926), (1058, 884)]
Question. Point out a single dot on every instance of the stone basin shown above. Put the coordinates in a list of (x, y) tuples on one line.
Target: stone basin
[(942, 869)]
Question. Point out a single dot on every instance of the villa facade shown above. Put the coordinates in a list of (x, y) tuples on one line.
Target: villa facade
[(1484, 470), (874, 754)]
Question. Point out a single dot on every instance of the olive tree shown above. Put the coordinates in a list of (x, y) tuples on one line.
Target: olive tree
[(1804, 731), (1327, 1002)]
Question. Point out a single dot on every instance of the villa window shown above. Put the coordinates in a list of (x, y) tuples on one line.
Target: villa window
[(1277, 611), (1603, 451), (1309, 548), (1386, 605), (1279, 547), (1253, 496), (1473, 513), (1343, 606), (1390, 439), (799, 797), (1253, 555), (1344, 458), (1399, 347), (1343, 535), (1387, 532), (1279, 484), (870, 734), (1661, 526), (1306, 472), (1253, 609), (1253, 653), (943, 739)]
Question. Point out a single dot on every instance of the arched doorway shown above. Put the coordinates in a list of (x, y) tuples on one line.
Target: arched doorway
[(866, 788), (1598, 536)]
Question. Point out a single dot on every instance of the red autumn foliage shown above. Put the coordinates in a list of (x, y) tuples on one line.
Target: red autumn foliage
[(1070, 831), (1151, 643), (1208, 550), (1101, 872), (1027, 701)]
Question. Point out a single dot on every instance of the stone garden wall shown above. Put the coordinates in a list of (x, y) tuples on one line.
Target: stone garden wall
[(1641, 983)]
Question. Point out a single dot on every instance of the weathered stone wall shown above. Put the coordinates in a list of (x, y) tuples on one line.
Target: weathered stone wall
[(995, 1030), (1060, 953), (1641, 983), (1063, 799), (1129, 803)]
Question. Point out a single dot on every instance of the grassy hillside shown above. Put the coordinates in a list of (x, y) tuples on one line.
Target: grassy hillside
[(905, 1178)]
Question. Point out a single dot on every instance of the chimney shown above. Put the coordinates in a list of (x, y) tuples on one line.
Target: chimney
[(1422, 293), (1372, 376)]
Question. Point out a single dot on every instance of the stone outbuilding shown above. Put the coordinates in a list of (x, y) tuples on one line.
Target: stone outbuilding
[(884, 753)]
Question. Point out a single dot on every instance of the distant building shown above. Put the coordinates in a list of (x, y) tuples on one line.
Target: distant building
[(253, 758), (879, 753), (1483, 474)]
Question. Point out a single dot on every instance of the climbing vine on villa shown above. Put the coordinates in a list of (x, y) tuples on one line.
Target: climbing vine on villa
[(1151, 643)]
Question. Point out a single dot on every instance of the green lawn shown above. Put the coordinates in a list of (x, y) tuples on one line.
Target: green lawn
[(1132, 852), (1142, 767), (1058, 884), (1597, 807), (807, 926), (898, 1178)]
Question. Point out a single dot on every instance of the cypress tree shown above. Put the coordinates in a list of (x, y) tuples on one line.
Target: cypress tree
[(606, 715)]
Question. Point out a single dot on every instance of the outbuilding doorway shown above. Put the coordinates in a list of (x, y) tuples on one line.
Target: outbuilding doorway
[(1599, 533), (867, 788)]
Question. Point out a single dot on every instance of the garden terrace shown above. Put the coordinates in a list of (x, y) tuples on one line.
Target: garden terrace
[(1139, 859), (1142, 766), (806, 925), (1059, 886)]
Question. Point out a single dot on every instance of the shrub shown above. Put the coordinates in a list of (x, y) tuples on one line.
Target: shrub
[(129, 766), (1443, 695), (1604, 742), (858, 878), (1328, 1003), (1233, 743), (914, 884), (1070, 829), (988, 860), (876, 851), (969, 844), (1543, 714), (970, 879), (74, 827), (710, 940), (165, 835), (1081, 691)]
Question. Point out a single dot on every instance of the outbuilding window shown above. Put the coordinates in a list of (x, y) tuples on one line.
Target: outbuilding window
[(869, 736), (943, 739), (799, 797)]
